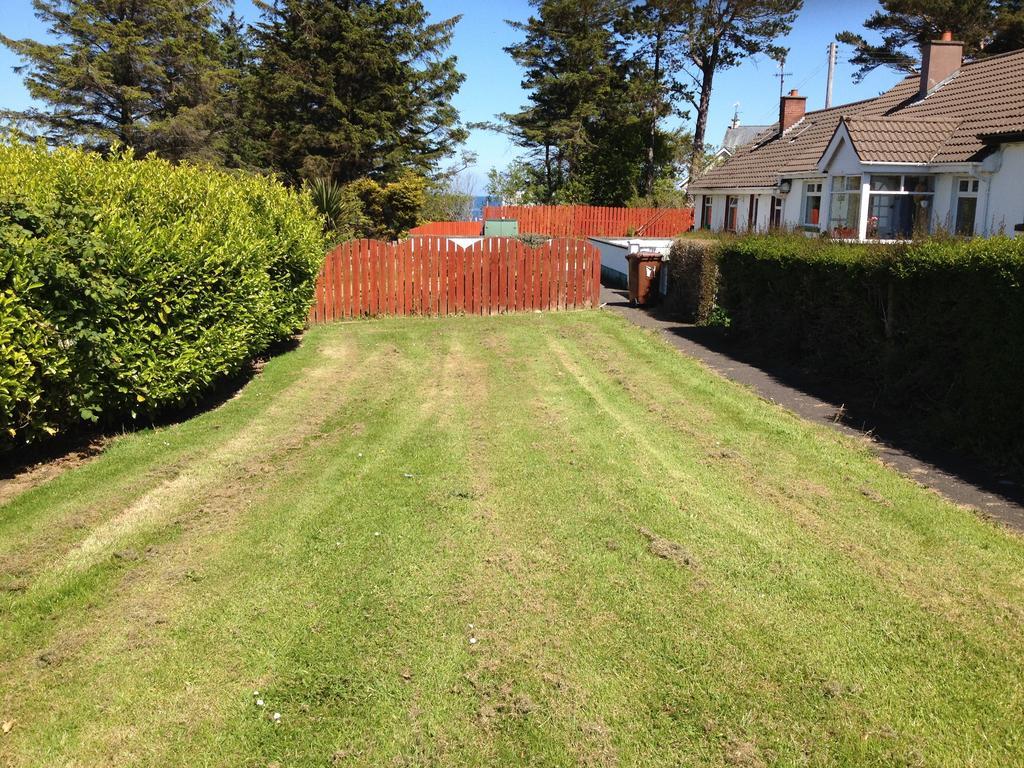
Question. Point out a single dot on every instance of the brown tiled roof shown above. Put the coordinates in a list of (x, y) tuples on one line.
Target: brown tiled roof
[(772, 157), (986, 95), (983, 97), (895, 140)]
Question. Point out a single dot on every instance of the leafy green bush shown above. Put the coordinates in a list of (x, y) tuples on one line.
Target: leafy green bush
[(131, 286), (389, 210), (933, 329), (339, 207)]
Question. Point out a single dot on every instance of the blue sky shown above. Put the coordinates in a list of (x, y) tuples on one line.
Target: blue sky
[(493, 80)]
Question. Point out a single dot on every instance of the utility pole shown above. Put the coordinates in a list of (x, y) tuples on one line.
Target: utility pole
[(833, 50)]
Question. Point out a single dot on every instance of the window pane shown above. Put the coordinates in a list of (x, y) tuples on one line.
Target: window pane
[(881, 216), (731, 210), (812, 210), (846, 183), (892, 217), (885, 183), (966, 208), (919, 184), (776, 217), (844, 214)]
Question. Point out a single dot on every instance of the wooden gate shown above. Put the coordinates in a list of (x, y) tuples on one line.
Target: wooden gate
[(433, 276)]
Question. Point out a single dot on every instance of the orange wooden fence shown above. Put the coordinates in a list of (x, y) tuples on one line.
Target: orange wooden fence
[(433, 276), (453, 228), (594, 221)]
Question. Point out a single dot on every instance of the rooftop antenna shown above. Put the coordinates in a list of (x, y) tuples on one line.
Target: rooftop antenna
[(782, 74), (736, 115)]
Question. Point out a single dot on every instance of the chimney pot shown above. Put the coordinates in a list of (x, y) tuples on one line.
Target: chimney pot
[(791, 109), (939, 60)]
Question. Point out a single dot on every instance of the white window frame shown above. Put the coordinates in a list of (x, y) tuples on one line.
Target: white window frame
[(753, 211), (901, 192), (707, 211), (973, 187), (732, 203), (852, 186), (812, 189), (776, 212)]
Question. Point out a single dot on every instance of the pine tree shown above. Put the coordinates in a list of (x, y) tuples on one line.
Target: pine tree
[(350, 89), (653, 30), (142, 74), (570, 57), (234, 140), (1009, 27), (604, 74), (591, 124), (984, 26)]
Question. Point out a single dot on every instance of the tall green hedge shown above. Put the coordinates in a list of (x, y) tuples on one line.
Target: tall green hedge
[(131, 286), (932, 329), (692, 280)]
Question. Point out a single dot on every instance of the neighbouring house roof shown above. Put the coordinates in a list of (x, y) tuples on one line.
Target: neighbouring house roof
[(955, 122), (737, 136)]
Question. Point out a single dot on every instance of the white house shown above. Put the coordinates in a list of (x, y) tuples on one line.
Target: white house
[(940, 150)]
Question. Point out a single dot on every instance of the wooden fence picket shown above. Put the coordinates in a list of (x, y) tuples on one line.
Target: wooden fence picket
[(478, 280), (423, 276), (323, 290)]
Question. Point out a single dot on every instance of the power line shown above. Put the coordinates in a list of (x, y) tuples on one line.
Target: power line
[(807, 79)]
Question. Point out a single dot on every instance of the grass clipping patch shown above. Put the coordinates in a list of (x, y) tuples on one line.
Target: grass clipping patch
[(667, 549)]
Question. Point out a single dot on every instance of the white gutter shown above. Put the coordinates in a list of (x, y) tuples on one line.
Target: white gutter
[(936, 168), (736, 191)]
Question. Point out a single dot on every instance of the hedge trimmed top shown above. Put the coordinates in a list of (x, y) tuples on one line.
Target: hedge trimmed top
[(130, 286)]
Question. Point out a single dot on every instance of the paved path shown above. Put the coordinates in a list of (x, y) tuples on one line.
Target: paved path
[(958, 481)]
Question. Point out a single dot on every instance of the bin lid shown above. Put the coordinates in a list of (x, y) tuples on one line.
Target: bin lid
[(644, 256)]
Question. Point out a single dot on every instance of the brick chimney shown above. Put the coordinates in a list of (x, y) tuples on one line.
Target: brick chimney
[(791, 109), (939, 60)]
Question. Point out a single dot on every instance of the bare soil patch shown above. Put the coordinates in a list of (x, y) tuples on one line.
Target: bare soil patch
[(667, 549), (17, 479)]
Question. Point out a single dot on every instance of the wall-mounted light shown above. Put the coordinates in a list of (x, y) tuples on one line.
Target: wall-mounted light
[(785, 185)]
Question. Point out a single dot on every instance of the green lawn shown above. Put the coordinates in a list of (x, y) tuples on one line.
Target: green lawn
[(542, 539)]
